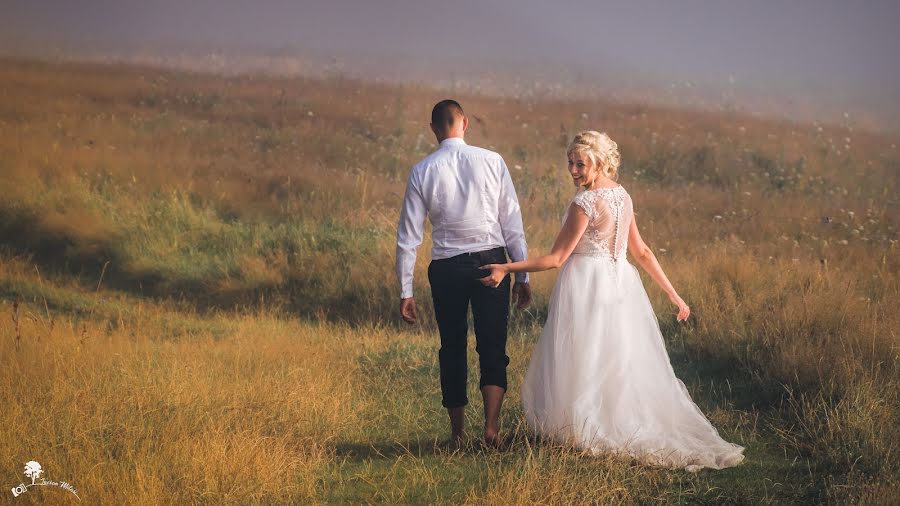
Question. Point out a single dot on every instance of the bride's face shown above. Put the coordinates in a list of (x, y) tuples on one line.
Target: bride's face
[(582, 170)]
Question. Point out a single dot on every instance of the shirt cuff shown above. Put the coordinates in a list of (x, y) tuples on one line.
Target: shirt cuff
[(521, 277), (405, 294)]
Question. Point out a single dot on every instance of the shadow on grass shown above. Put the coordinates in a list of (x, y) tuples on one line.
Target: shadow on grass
[(511, 443), (722, 380), (391, 449), (89, 254)]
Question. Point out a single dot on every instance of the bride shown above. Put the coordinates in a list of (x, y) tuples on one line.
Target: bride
[(600, 376)]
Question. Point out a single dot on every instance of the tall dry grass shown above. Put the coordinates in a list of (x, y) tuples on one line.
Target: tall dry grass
[(241, 409)]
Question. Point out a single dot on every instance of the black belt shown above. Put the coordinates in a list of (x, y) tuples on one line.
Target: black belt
[(464, 256)]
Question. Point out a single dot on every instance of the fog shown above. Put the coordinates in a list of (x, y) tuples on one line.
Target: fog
[(810, 59)]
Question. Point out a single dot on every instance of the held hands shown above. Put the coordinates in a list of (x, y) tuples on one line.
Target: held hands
[(498, 272), (521, 292), (683, 310)]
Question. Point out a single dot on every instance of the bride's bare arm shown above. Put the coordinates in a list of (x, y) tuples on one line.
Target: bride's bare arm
[(576, 223), (644, 257)]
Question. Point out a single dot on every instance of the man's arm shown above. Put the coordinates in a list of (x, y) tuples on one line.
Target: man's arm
[(510, 215), (409, 235)]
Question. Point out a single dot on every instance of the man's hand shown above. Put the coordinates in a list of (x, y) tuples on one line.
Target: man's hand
[(521, 295), (408, 310)]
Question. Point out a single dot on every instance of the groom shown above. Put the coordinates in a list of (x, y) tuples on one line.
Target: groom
[(468, 195)]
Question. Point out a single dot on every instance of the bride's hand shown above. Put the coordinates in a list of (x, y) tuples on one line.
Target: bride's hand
[(683, 310), (496, 276)]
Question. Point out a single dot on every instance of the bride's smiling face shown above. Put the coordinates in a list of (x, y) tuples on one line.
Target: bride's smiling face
[(581, 167)]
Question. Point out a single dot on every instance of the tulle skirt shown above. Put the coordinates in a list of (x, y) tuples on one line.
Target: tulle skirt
[(600, 376)]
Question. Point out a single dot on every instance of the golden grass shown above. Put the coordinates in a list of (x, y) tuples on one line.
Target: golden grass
[(129, 413), (163, 230)]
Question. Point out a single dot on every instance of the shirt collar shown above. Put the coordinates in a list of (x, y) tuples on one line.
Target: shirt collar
[(453, 141)]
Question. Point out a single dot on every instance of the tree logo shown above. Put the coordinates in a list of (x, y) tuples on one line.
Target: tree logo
[(34, 470)]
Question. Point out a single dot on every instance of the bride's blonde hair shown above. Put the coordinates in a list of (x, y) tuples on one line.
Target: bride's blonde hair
[(602, 150)]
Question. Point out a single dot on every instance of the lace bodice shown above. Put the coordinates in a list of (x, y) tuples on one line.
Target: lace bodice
[(610, 213)]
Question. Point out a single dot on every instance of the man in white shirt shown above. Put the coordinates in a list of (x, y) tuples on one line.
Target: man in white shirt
[(469, 197)]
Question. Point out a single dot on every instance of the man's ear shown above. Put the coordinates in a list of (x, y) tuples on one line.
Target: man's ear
[(465, 123)]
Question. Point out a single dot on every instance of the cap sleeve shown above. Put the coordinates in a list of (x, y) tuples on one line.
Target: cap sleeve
[(585, 200)]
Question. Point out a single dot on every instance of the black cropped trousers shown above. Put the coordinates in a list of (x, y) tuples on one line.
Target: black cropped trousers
[(454, 286)]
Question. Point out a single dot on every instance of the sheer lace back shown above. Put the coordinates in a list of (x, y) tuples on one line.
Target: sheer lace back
[(610, 213)]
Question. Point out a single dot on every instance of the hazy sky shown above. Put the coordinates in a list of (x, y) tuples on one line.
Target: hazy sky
[(821, 46)]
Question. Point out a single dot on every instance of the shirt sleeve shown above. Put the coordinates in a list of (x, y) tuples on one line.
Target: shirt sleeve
[(409, 235), (510, 215)]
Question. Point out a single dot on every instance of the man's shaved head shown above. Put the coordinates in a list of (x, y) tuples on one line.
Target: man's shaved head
[(446, 115)]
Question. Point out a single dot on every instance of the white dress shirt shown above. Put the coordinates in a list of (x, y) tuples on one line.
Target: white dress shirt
[(467, 193)]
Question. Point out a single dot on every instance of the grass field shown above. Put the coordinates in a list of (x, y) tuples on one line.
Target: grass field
[(199, 304)]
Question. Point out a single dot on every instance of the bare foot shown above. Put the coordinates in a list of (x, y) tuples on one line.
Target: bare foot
[(493, 399), (492, 438), (457, 441), (457, 427)]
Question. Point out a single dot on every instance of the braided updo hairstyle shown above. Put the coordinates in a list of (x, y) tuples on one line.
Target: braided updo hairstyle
[(602, 150)]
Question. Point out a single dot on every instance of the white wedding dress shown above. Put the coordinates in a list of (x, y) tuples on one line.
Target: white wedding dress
[(600, 376)]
